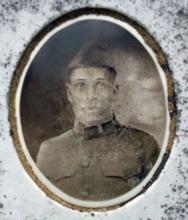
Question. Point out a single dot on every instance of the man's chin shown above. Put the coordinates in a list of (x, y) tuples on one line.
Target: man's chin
[(92, 118), (93, 121)]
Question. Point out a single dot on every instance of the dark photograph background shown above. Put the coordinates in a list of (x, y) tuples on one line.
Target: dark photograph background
[(45, 111)]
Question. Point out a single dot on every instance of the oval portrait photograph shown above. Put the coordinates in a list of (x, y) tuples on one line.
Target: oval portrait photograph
[(92, 111)]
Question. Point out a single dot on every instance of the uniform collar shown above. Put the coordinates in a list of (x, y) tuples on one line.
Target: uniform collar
[(94, 131)]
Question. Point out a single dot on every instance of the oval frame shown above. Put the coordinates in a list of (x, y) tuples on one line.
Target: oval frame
[(18, 74)]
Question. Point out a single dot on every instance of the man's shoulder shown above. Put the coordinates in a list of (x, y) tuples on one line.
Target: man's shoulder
[(145, 137), (131, 132), (58, 140), (52, 147), (137, 135), (144, 143), (52, 155)]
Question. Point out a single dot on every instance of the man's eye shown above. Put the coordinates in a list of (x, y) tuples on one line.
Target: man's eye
[(80, 85), (101, 84)]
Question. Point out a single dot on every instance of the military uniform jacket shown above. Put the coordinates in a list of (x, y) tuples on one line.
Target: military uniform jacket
[(101, 162)]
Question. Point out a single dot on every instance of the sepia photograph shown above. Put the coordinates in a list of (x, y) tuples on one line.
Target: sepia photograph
[(93, 110)]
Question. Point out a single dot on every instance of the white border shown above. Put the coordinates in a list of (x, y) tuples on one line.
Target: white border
[(132, 193)]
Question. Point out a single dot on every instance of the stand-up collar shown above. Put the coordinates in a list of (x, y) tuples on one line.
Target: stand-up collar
[(96, 130)]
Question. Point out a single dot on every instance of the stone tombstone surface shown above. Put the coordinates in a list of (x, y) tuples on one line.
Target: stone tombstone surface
[(93, 110)]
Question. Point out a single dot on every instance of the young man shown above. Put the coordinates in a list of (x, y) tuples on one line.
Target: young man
[(98, 158)]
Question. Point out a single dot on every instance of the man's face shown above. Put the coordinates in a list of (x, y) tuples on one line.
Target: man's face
[(91, 93)]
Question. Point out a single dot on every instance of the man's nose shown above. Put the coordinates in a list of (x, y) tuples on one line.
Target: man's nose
[(92, 92)]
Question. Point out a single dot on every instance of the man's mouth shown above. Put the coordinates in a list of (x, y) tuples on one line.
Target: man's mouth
[(92, 108)]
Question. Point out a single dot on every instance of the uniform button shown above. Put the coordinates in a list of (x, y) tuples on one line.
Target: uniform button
[(85, 162)]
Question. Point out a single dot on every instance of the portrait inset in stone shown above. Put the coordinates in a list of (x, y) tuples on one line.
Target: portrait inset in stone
[(98, 158), (93, 112)]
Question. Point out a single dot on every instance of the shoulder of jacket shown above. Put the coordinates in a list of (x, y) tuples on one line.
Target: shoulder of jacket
[(139, 135), (51, 146), (131, 132), (54, 141), (136, 132), (52, 156)]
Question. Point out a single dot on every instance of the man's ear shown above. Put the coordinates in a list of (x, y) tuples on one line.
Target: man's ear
[(116, 90), (114, 97), (69, 93)]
